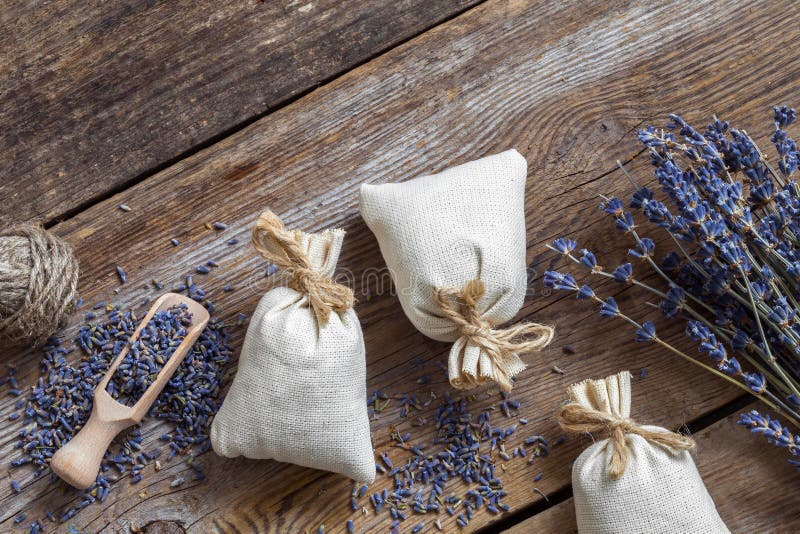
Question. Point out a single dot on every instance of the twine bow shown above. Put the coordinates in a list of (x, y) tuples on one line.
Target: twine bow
[(578, 418), (283, 248), (501, 345)]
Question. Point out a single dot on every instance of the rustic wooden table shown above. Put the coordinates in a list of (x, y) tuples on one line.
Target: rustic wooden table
[(201, 111)]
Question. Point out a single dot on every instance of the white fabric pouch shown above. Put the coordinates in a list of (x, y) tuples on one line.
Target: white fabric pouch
[(638, 479), (454, 243), (299, 394)]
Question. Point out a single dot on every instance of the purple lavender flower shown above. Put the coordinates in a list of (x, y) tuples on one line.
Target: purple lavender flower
[(564, 246), (647, 332), (623, 273), (585, 292), (784, 116), (644, 249), (588, 259), (756, 382), (625, 222), (641, 198), (609, 308), (556, 280), (771, 429)]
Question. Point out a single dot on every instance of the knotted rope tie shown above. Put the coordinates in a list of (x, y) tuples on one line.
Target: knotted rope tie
[(461, 307), (577, 418), (282, 247)]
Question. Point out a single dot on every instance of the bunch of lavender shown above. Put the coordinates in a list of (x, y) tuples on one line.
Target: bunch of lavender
[(734, 274)]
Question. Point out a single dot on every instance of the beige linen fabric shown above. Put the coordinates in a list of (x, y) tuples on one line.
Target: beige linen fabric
[(444, 230), (299, 394), (660, 490)]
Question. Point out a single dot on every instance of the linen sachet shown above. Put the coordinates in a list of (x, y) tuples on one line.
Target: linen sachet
[(637, 478), (299, 394), (454, 243)]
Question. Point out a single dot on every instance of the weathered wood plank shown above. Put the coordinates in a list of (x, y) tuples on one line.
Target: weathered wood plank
[(733, 467), (565, 85), (95, 93)]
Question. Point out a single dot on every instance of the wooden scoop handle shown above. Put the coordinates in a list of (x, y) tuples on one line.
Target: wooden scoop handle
[(78, 462)]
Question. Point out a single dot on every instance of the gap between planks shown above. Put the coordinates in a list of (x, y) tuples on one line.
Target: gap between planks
[(241, 125)]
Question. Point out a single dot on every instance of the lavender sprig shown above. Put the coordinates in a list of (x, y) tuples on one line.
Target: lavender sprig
[(734, 219)]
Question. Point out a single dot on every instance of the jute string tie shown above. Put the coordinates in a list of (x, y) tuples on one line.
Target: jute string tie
[(282, 248), (575, 417), (461, 307)]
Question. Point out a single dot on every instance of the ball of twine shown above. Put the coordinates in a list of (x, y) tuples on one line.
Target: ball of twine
[(38, 282)]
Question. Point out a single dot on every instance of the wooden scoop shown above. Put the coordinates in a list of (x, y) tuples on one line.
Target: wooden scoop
[(78, 461)]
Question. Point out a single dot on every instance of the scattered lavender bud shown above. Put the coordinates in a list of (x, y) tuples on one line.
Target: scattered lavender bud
[(643, 373), (174, 242), (177, 482), (568, 349), (60, 401), (124, 207), (212, 263), (15, 486), (219, 226), (122, 276), (233, 241), (202, 269), (271, 269)]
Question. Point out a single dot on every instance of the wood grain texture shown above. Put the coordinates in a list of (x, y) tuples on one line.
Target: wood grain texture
[(567, 86), (96, 93), (734, 467)]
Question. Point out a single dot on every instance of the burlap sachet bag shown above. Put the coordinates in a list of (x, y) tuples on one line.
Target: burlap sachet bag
[(633, 478), (299, 394), (455, 244)]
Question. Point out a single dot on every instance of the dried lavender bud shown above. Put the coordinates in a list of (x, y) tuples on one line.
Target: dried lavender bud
[(219, 226), (122, 276), (462, 450), (156, 343), (61, 401), (174, 242)]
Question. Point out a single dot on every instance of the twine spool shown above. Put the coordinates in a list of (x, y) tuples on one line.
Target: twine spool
[(38, 282)]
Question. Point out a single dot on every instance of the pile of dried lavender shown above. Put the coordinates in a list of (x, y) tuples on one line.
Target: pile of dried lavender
[(156, 343), (466, 448), (61, 400)]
